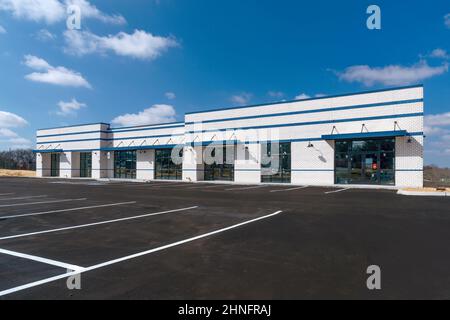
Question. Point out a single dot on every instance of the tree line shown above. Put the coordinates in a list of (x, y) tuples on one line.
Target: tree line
[(20, 159)]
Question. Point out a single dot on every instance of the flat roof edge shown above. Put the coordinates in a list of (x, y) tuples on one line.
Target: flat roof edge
[(75, 125), (309, 99)]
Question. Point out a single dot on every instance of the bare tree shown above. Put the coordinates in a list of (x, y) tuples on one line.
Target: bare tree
[(20, 159)]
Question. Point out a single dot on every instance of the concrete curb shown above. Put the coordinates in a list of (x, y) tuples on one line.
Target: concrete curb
[(423, 194)]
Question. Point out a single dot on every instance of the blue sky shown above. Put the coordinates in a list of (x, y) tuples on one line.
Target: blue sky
[(136, 62)]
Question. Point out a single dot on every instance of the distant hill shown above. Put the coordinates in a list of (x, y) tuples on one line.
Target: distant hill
[(435, 176)]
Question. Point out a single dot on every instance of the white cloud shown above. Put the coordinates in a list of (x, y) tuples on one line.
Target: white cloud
[(49, 11), (52, 11), (69, 108), (45, 35), (275, 94), (435, 131), (438, 120), (243, 98), (158, 113), (170, 95), (8, 137), (18, 143), (447, 20), (439, 53), (90, 11), (139, 44), (391, 75), (36, 63), (11, 120), (302, 96), (2, 30), (60, 76), (7, 133)]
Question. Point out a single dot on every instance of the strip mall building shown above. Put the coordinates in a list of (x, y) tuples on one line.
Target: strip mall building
[(368, 138)]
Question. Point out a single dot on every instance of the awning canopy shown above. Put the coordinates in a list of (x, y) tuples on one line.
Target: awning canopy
[(212, 143), (48, 151), (132, 148), (366, 135)]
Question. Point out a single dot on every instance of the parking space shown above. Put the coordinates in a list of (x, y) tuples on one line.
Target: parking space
[(135, 239)]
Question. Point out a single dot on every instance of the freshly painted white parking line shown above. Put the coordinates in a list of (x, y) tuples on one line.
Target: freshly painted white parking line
[(37, 283), (336, 191), (207, 186), (96, 223), (41, 260), (136, 255), (246, 188), (290, 189), (41, 202), (150, 185), (67, 210), (23, 198), (174, 184), (68, 182), (133, 256)]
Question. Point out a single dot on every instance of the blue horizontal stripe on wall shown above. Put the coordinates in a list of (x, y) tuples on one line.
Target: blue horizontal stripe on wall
[(146, 129), (205, 143), (114, 139), (70, 134), (139, 148), (248, 170), (406, 115), (239, 170), (109, 126), (311, 111), (365, 135), (93, 169), (155, 126), (313, 170), (310, 99), (109, 131), (78, 140), (78, 125)]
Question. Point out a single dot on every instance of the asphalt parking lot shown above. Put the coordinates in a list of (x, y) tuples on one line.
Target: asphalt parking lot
[(171, 240)]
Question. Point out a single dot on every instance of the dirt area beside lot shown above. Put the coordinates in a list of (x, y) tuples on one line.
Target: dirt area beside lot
[(17, 173), (428, 189)]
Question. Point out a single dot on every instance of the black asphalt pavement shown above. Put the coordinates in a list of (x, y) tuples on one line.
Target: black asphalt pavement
[(318, 247)]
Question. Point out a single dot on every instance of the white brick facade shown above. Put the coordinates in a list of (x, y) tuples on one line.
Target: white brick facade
[(306, 124)]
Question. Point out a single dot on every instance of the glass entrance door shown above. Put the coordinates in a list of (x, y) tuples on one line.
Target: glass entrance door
[(85, 164), (365, 168), (279, 168), (370, 172), (125, 164), (165, 168), (54, 164), (224, 170), (365, 162)]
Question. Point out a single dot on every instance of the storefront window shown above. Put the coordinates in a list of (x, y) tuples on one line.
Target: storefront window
[(125, 164), (223, 169), (54, 164), (365, 162), (86, 164), (278, 170), (165, 168)]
